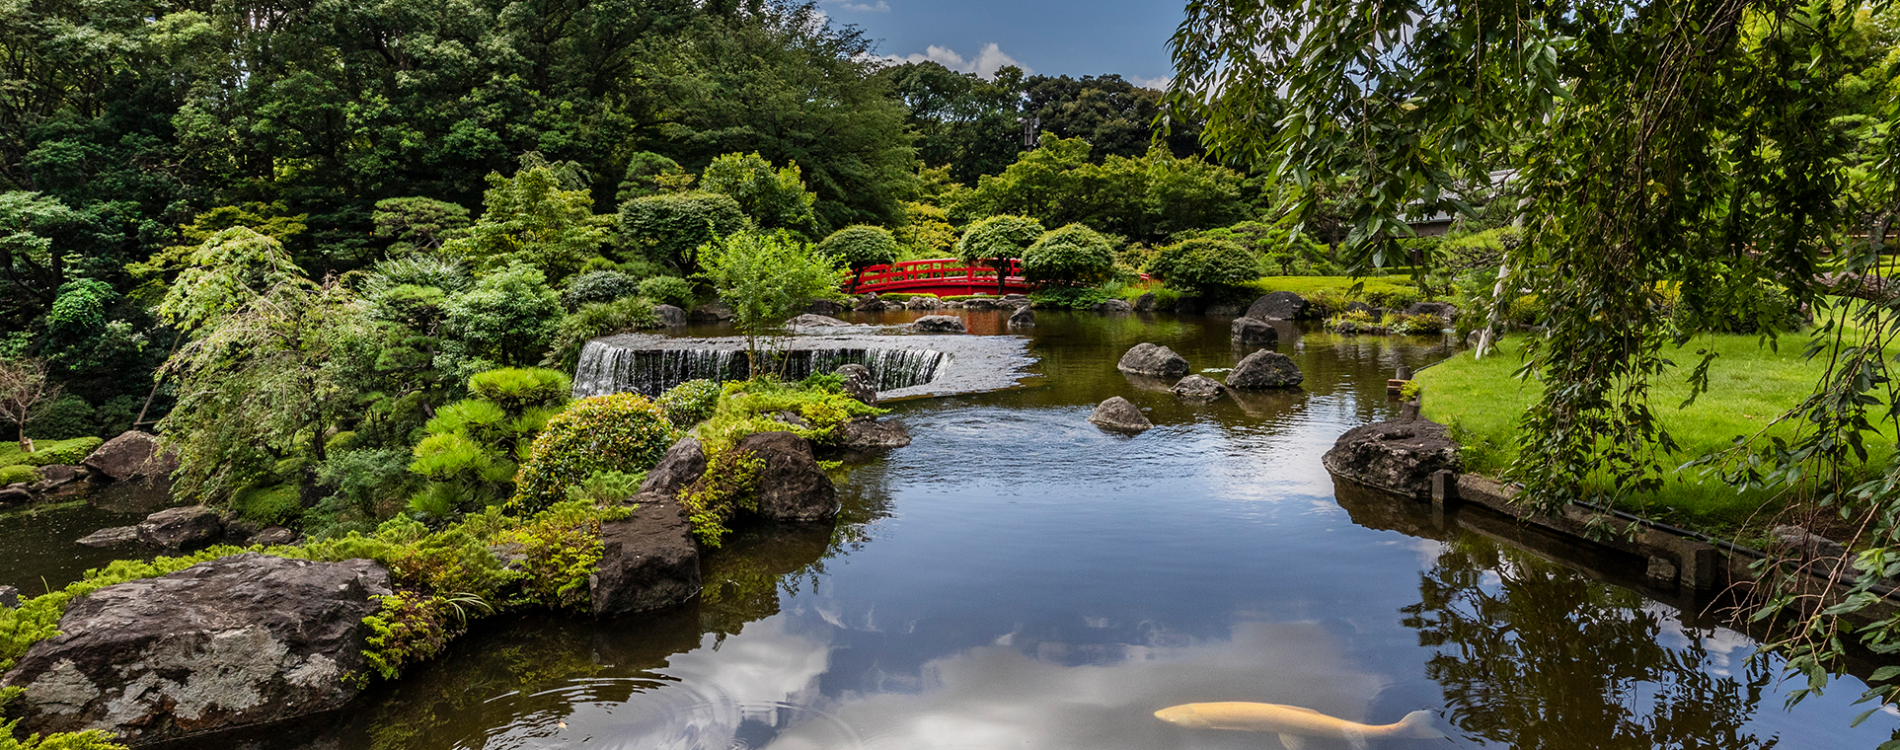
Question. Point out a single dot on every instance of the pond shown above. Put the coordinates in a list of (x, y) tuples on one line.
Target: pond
[(1017, 578)]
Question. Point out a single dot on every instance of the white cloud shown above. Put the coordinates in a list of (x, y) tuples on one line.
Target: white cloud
[(879, 7), (1158, 84), (985, 64)]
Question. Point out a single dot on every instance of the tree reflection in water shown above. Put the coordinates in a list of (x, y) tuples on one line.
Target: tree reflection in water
[(1532, 656)]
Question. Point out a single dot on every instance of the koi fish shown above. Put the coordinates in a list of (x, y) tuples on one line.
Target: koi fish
[(1292, 723)]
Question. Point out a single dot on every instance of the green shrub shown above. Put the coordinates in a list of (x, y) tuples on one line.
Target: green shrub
[(593, 320), (620, 431), (1069, 297), (669, 227), (860, 246), (668, 290), (507, 318), (730, 484), (275, 505), (1527, 310), (68, 416), (1354, 321), (690, 403), (18, 473), (607, 487), (1394, 297), (474, 446), (1071, 254), (1417, 325), (1204, 266), (49, 452), (598, 286)]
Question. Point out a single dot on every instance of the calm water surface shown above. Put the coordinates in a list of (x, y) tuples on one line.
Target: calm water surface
[(1017, 578)]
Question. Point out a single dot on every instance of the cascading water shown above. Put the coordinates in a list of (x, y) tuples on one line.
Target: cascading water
[(609, 368)]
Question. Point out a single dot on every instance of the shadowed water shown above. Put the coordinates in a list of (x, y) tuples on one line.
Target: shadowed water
[(1017, 578)]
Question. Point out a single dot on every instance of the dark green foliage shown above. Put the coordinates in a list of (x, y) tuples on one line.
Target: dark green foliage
[(995, 240), (474, 446), (608, 487), (859, 246), (417, 224), (67, 417), (775, 198), (1204, 266), (508, 318), (621, 431), (668, 290), (274, 505), (647, 174), (1146, 198), (690, 403), (1073, 254), (598, 286), (594, 320), (445, 274), (669, 228), (366, 485)]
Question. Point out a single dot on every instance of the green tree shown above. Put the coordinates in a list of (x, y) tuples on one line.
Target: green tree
[(859, 247), (767, 277), (506, 319), (775, 198), (36, 233), (667, 228), (473, 447), (997, 240), (1204, 265), (1072, 254), (1147, 198), (538, 217), (418, 224), (649, 173)]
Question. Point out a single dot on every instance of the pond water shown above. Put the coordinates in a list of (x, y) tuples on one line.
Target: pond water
[(1017, 578)]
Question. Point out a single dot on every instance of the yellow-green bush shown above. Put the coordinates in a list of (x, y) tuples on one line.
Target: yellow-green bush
[(690, 403), (12, 474), (617, 432)]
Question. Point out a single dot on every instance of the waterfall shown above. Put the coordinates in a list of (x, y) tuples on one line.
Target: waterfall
[(608, 368)]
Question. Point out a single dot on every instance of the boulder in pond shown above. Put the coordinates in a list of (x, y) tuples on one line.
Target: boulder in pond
[(858, 383), (824, 307), (237, 641), (1119, 415), (874, 436), (923, 303), (647, 560), (132, 455), (939, 324), (117, 536), (1253, 332), (791, 486), (14, 495), (1113, 306), (670, 316), (276, 535), (9, 597), (182, 529), (980, 303), (869, 303), (1198, 388), (809, 320), (1153, 360), (1265, 369), (679, 468), (1145, 302), (1024, 317), (711, 312), (1444, 310), (1278, 306), (1394, 456)]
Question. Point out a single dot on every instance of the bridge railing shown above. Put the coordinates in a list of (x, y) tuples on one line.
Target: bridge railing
[(948, 270)]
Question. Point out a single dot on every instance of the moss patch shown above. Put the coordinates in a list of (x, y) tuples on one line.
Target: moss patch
[(49, 452)]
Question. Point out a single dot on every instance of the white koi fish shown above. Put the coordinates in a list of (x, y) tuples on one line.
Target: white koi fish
[(1292, 723)]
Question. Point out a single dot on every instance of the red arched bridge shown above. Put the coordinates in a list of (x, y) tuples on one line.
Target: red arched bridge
[(942, 277)]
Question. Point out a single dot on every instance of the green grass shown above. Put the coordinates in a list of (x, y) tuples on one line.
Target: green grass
[(1374, 291), (1749, 386), (48, 452)]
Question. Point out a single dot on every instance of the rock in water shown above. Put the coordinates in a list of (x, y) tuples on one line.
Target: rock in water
[(711, 312), (679, 468), (824, 307), (1265, 369), (1443, 310), (939, 324), (1278, 305), (647, 561), (1145, 302), (980, 303), (923, 303), (117, 536), (12, 495), (670, 316), (791, 486), (241, 640), (809, 320), (1113, 306), (874, 436), (1023, 318), (1198, 388), (1394, 456), (858, 383), (868, 303), (9, 597), (132, 455), (179, 529), (1154, 360), (1118, 414), (1254, 331)]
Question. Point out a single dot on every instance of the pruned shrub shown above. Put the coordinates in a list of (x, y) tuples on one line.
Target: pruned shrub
[(1071, 254), (619, 432), (593, 320), (598, 286), (669, 227), (860, 246), (668, 290), (690, 403), (1204, 266)]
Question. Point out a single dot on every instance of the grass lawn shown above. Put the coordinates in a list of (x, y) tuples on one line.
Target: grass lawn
[(1749, 386)]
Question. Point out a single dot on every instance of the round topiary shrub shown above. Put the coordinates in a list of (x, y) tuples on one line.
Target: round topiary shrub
[(619, 432), (1072, 254), (690, 403), (860, 246), (1204, 265), (598, 286), (994, 241), (668, 290)]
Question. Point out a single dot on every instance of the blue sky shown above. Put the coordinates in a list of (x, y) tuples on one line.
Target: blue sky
[(1050, 37)]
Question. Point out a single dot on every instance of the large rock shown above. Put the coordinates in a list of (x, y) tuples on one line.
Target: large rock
[(117, 536), (670, 316), (939, 324), (1443, 310), (9, 597), (874, 436), (923, 303), (1113, 306), (237, 641), (181, 529), (980, 303), (791, 486), (711, 312), (1145, 302), (132, 455), (1119, 415), (1198, 388), (1153, 360), (869, 303), (809, 320), (1394, 456), (1278, 305), (1024, 317), (275, 536), (679, 468), (1265, 369), (858, 383), (824, 307), (1254, 332), (12, 495), (647, 561)]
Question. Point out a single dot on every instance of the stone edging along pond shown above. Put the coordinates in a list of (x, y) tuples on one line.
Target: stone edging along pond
[(1416, 460)]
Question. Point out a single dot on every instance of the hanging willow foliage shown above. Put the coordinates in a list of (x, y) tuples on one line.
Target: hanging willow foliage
[(1683, 151)]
